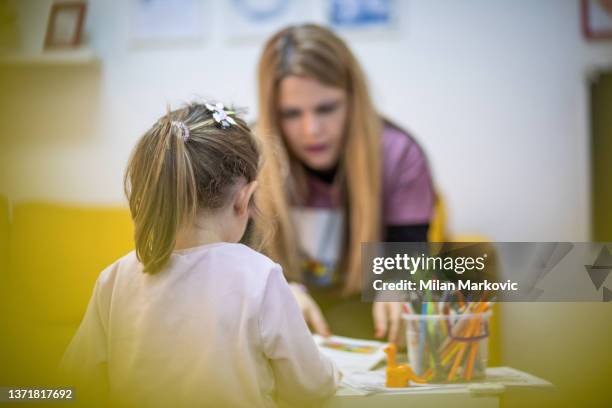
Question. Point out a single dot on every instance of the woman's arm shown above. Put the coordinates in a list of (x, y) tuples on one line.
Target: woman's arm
[(408, 207), (310, 310)]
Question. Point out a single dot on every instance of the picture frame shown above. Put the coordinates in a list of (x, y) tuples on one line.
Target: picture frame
[(65, 26), (596, 18), (254, 21), (163, 23), (361, 14)]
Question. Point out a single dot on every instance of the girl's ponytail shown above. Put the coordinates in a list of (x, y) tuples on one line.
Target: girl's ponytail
[(162, 192)]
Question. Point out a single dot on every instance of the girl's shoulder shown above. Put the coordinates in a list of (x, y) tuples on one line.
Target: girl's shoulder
[(202, 264), (233, 255), (234, 259), (109, 275), (233, 267), (244, 256)]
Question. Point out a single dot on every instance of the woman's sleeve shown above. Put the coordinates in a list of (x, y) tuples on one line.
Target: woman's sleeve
[(84, 364), (303, 375), (406, 233), (408, 194)]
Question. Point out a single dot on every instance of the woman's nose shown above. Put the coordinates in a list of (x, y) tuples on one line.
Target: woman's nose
[(311, 125)]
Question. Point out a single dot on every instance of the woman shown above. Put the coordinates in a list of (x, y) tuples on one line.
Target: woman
[(336, 174)]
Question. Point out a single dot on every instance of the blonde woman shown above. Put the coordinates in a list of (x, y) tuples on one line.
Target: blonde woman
[(336, 174)]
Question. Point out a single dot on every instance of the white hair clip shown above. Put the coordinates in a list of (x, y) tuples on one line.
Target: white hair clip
[(182, 127), (220, 115)]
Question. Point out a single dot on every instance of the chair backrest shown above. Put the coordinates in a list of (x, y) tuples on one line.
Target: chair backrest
[(4, 242), (57, 252), (437, 225)]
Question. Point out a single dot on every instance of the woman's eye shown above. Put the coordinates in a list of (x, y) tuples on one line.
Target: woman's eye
[(290, 114), (325, 109)]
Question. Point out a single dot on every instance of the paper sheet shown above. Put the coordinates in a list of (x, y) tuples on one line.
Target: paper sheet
[(351, 354)]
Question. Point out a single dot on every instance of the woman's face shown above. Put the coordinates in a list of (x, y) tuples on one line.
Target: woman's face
[(312, 117)]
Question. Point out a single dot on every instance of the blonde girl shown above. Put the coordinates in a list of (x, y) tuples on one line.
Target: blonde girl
[(191, 317)]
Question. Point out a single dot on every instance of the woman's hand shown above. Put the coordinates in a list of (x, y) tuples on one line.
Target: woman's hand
[(387, 317), (312, 314)]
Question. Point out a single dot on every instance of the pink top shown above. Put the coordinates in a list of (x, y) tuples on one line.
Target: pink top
[(219, 326), (407, 186), (407, 199)]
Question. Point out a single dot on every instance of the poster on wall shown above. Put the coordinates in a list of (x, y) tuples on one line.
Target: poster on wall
[(259, 19), (166, 23), (597, 19), (361, 14)]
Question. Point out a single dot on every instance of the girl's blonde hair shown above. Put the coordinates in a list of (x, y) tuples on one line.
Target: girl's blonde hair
[(316, 52), (186, 162)]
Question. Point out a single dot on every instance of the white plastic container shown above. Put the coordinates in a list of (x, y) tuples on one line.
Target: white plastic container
[(448, 347)]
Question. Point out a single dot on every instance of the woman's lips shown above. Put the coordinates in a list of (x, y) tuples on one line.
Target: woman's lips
[(318, 148)]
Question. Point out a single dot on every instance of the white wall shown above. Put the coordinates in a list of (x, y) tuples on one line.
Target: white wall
[(494, 90)]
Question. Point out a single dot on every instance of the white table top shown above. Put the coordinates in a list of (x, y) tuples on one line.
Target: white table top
[(481, 394)]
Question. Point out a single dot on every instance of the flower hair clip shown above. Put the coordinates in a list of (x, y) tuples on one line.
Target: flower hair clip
[(182, 127), (220, 115)]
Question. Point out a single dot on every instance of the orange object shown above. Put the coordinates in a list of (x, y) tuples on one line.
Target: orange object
[(399, 375)]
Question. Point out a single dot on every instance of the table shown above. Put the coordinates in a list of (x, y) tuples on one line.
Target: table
[(483, 394)]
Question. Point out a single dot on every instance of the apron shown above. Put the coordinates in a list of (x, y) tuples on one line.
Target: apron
[(320, 236), (321, 233)]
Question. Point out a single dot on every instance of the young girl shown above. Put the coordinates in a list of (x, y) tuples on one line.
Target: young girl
[(191, 317)]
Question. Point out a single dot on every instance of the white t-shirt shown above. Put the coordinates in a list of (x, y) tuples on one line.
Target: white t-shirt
[(217, 327)]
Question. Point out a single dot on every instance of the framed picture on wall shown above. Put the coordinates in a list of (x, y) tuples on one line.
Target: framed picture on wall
[(256, 20), (361, 14), (596, 19), (165, 23), (65, 24)]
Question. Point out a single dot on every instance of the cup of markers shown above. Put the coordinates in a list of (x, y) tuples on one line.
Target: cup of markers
[(448, 344)]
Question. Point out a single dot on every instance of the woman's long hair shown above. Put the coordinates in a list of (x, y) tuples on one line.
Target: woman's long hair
[(316, 52)]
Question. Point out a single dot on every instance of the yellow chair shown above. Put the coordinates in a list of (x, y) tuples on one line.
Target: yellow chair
[(56, 252), (437, 225), (4, 240)]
